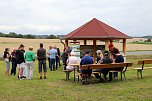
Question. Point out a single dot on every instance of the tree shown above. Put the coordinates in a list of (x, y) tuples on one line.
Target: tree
[(148, 40), (51, 37), (19, 36), (29, 36), (2, 34), (12, 35)]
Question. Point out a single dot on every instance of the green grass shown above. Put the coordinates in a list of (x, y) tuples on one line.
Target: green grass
[(55, 88), (147, 43)]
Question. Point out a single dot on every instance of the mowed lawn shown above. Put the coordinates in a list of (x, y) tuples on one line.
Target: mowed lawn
[(55, 88)]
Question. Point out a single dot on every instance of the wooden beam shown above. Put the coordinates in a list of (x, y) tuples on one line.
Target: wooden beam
[(85, 42), (66, 43), (106, 44), (94, 50), (124, 46)]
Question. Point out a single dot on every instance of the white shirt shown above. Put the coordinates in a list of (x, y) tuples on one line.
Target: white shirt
[(72, 60)]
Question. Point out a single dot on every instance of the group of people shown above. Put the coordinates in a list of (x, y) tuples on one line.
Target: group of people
[(24, 60), (102, 58), (108, 56), (21, 59)]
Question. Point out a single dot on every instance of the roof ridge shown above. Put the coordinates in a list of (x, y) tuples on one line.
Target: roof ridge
[(101, 26), (111, 27), (81, 27)]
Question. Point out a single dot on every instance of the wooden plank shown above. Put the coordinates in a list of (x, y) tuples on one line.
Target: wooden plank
[(146, 61), (147, 67), (101, 66), (94, 50), (124, 46)]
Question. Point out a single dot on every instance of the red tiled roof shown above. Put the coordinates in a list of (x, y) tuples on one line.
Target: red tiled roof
[(96, 29)]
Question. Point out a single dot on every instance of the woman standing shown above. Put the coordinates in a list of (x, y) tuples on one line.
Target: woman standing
[(20, 60), (14, 64), (7, 58), (29, 58)]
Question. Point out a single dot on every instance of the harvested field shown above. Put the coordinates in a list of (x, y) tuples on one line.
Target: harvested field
[(15, 42)]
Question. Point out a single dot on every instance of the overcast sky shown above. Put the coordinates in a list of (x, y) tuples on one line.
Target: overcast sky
[(132, 17)]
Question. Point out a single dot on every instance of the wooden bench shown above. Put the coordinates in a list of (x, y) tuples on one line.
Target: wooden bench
[(103, 66), (67, 72), (142, 63)]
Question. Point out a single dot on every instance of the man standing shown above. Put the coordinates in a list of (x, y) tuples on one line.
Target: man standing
[(41, 55), (52, 53), (58, 58)]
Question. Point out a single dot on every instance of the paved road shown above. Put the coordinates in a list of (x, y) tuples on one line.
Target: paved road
[(139, 53)]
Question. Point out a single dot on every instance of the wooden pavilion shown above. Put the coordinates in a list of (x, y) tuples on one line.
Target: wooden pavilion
[(97, 30)]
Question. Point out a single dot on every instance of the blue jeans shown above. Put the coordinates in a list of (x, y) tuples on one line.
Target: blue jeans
[(52, 64), (103, 71), (13, 70), (57, 61)]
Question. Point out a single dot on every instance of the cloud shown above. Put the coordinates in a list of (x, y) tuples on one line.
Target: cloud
[(62, 16)]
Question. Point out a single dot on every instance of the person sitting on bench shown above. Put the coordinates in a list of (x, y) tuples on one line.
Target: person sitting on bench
[(72, 60), (105, 60), (118, 59), (87, 59)]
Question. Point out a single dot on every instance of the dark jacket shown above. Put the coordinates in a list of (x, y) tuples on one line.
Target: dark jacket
[(13, 55), (64, 57), (20, 56), (106, 60), (41, 54), (119, 59)]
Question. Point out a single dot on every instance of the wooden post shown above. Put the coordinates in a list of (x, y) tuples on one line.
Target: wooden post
[(66, 43), (124, 46), (106, 44), (85, 42), (94, 50)]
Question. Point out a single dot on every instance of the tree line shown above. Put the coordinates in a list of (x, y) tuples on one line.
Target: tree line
[(28, 36)]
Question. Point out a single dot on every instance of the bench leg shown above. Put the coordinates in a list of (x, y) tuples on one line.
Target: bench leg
[(67, 76), (139, 71), (138, 74), (124, 75), (121, 75), (141, 74)]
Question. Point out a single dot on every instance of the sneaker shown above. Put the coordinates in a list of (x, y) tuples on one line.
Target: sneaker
[(40, 77), (19, 78), (83, 82), (44, 77)]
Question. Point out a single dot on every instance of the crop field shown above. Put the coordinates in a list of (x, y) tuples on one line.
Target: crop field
[(15, 42)]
